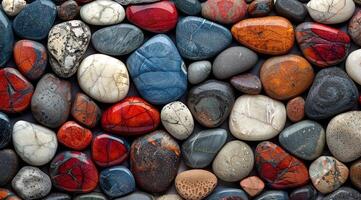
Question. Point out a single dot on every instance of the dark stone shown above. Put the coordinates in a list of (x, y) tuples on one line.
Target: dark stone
[(91, 196), (6, 39), (344, 193), (5, 130), (117, 181), (228, 194), (260, 8), (58, 196), (9, 165), (273, 195), (247, 83), (68, 10), (189, 7), (304, 193), (291, 9)]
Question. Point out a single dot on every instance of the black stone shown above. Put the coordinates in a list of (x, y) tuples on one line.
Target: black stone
[(304, 193), (5, 130), (291, 9), (344, 193), (9, 165)]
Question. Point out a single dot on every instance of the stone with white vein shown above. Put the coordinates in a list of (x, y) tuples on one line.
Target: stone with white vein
[(331, 11), (13, 7), (102, 12)]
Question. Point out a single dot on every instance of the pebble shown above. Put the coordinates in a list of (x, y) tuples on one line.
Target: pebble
[(31, 183), (285, 77), (260, 8), (322, 45), (291, 9), (199, 71), (177, 120), (250, 121), (117, 40), (189, 7), (9, 165), (252, 185), (109, 72), (330, 11), (355, 174), (225, 12), (57, 196), (306, 192), (278, 168), (331, 93), (36, 145), (227, 193), (195, 184), (30, 58), (51, 101), (233, 61), (68, 10), (353, 66), (67, 43), (154, 161), (247, 83), (137, 196), (211, 102), (344, 193), (170, 197), (158, 71), (131, 116), (5, 130), (199, 150), (91, 196), (354, 28), (116, 181), (13, 7), (35, 20), (305, 139), (275, 35), (6, 38), (7, 194), (295, 109), (191, 41), (102, 13), (74, 136), (127, 2), (274, 195), (85, 110), (328, 174)]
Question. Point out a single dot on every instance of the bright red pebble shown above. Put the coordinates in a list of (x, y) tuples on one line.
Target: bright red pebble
[(157, 17), (74, 136)]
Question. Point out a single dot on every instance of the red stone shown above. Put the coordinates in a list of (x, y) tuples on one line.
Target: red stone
[(6, 194), (278, 168), (131, 116), (85, 110), (252, 185), (108, 150), (74, 136), (322, 45), (296, 109), (73, 171), (157, 17), (15, 91), (224, 11)]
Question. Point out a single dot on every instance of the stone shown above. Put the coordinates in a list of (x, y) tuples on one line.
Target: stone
[(234, 161), (108, 150), (57, 196), (247, 83), (68, 10), (161, 16), (278, 168), (7, 194), (227, 194), (170, 197), (191, 41), (81, 1), (158, 71), (31, 183), (195, 183), (154, 161), (9, 165), (102, 13), (30, 58), (199, 71), (116, 181), (131, 116), (354, 28), (177, 120), (50, 104), (13, 7), (275, 35), (295, 109), (199, 150), (137, 196), (285, 77), (225, 12), (331, 93), (274, 195), (252, 185), (15, 90), (35, 20), (5, 130), (91, 196), (344, 193), (85, 110), (291, 9), (97, 71), (117, 40), (6, 38), (74, 136), (305, 139), (73, 171), (306, 192), (343, 136), (260, 8), (353, 66), (233, 61), (67, 43), (250, 118), (355, 174), (330, 11), (322, 45), (327, 174), (36, 145), (188, 7), (127, 2)]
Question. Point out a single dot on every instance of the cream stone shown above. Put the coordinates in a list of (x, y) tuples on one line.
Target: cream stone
[(331, 11), (102, 12), (13, 7), (353, 66)]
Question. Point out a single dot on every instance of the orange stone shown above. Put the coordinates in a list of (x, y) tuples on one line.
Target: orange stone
[(271, 35), (284, 77), (74, 136), (252, 185), (296, 109)]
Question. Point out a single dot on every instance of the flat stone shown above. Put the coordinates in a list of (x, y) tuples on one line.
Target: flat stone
[(137, 196), (291, 9), (354, 28), (247, 83), (330, 11), (116, 181), (13, 7), (102, 12), (199, 150), (91, 196), (117, 40), (355, 174), (68, 10), (9, 165), (252, 185), (227, 193), (307, 192), (74, 136), (295, 109), (344, 193), (7, 194), (274, 195), (85, 110), (127, 2), (225, 12), (260, 8), (170, 197), (6, 38), (5, 130), (353, 66), (189, 7), (57, 196), (199, 71)]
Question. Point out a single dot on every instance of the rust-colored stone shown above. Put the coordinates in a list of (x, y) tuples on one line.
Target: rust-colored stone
[(296, 109), (252, 185), (355, 174)]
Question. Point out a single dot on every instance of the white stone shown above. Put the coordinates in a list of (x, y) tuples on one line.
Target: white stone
[(331, 11), (126, 2), (234, 161), (257, 118), (353, 66), (170, 197), (35, 144), (199, 71), (177, 120), (104, 78), (13, 7), (102, 12)]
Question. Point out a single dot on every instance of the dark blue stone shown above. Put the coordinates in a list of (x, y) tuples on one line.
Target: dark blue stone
[(189, 7), (158, 70), (306, 192), (198, 38), (273, 195), (228, 193), (5, 130), (6, 39), (35, 20), (117, 181)]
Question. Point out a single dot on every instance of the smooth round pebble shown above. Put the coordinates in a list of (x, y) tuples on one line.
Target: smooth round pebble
[(5, 130), (273, 194), (116, 181), (189, 7), (260, 8), (291, 9), (331, 11), (13, 7), (354, 27), (304, 193), (228, 194), (102, 12), (353, 66), (9, 165), (295, 109), (6, 38), (247, 83), (225, 12), (199, 71)]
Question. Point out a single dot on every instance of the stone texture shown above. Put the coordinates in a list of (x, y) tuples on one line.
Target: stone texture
[(353, 65), (273, 194), (247, 83), (68, 10), (189, 7), (116, 181), (85, 110), (224, 11), (170, 197), (344, 193), (6, 38), (7, 194), (91, 196), (291, 9), (57, 196), (9, 165), (330, 11), (199, 71), (354, 27), (306, 192), (227, 194), (102, 12), (5, 130), (355, 174), (137, 196), (295, 109), (252, 185), (13, 7), (127, 2), (260, 8), (74, 136)]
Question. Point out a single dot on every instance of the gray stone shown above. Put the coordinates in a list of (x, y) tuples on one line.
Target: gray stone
[(273, 195), (137, 196), (189, 7), (9, 164), (344, 193), (307, 192), (247, 83), (58, 196), (199, 71), (91, 196), (291, 9)]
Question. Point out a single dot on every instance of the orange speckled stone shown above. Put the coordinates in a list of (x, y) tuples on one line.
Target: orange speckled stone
[(74, 136), (284, 77), (252, 185), (271, 35), (296, 109)]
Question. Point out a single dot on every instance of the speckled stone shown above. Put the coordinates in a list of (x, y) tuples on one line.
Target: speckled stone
[(274, 195), (247, 83), (189, 7), (13, 7), (91, 196), (344, 193), (330, 11), (199, 71), (58, 196), (260, 8), (227, 194), (102, 12), (6, 38), (304, 193), (5, 130), (116, 181), (9, 165), (296, 109), (355, 174), (291, 9), (253, 185), (354, 27), (68, 10), (137, 196)]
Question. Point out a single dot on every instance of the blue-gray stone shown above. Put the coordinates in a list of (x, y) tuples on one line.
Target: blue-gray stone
[(273, 195), (5, 130), (305, 139), (35, 20), (228, 193), (6, 39), (117, 40), (344, 193), (198, 38), (158, 70), (137, 196), (117, 181), (189, 7), (199, 150), (91, 196), (58, 196), (306, 192)]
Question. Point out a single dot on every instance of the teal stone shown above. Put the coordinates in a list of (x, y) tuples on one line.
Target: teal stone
[(189, 7), (228, 194), (117, 181), (6, 39)]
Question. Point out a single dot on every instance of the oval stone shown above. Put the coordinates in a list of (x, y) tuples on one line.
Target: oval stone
[(68, 10), (74, 136), (273, 194), (353, 65), (344, 193), (9, 165), (296, 109), (307, 192), (330, 11), (102, 12), (354, 27), (247, 83), (85, 110), (189, 7), (224, 11), (228, 194), (260, 8), (199, 71), (116, 181), (355, 174), (291, 9), (6, 38), (274, 34), (5, 130)]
